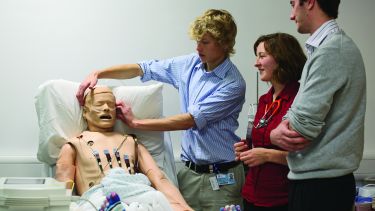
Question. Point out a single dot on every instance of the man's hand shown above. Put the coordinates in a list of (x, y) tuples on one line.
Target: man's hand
[(287, 139), (125, 113), (89, 82)]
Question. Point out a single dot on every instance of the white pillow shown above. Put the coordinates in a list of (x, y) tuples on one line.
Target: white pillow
[(60, 116)]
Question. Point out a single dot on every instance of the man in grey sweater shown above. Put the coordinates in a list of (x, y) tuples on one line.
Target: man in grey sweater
[(324, 128)]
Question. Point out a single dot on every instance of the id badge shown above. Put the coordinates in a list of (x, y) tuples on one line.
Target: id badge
[(225, 179)]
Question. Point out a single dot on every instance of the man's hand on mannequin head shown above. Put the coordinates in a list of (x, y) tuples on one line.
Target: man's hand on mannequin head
[(125, 113), (90, 81)]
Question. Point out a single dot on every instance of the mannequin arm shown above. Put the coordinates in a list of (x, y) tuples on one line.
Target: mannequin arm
[(65, 168), (159, 181)]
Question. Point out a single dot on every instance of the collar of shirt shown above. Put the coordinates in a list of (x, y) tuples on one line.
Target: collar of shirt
[(220, 71), (288, 91), (317, 38)]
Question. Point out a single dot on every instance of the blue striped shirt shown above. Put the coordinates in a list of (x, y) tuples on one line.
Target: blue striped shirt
[(214, 99), (319, 35)]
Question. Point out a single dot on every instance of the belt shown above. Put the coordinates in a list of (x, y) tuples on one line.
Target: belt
[(211, 168)]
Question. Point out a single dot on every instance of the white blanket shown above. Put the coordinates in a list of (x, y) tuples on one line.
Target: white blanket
[(135, 193)]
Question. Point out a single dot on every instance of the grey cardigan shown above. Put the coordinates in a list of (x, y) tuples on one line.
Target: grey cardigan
[(329, 110)]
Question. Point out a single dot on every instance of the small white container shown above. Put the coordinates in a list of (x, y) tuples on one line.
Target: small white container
[(367, 190)]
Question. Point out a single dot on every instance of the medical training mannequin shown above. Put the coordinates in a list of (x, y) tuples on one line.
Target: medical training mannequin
[(78, 159)]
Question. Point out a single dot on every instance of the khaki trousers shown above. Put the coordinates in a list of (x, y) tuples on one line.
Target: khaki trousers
[(197, 191)]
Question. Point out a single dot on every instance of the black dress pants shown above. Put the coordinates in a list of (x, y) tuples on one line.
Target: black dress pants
[(327, 194)]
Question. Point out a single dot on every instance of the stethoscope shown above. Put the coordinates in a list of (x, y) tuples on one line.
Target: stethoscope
[(269, 113)]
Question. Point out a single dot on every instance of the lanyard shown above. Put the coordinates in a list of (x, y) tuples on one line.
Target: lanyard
[(269, 113)]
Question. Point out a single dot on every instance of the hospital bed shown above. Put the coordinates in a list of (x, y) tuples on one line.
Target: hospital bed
[(60, 117)]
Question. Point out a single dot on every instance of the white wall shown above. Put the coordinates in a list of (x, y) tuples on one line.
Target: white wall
[(49, 39)]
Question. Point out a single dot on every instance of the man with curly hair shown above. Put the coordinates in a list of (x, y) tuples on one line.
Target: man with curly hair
[(211, 92)]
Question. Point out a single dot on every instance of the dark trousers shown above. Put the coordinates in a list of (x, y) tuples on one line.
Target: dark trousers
[(251, 207), (327, 194)]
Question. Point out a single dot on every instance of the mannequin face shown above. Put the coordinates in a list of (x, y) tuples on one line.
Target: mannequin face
[(100, 110)]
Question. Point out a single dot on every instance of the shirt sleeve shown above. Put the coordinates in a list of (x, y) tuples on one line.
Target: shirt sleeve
[(222, 103), (166, 71)]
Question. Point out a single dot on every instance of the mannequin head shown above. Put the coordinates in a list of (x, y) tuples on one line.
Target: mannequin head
[(99, 109)]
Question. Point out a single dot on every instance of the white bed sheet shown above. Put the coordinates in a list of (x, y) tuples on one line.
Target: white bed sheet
[(134, 190)]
